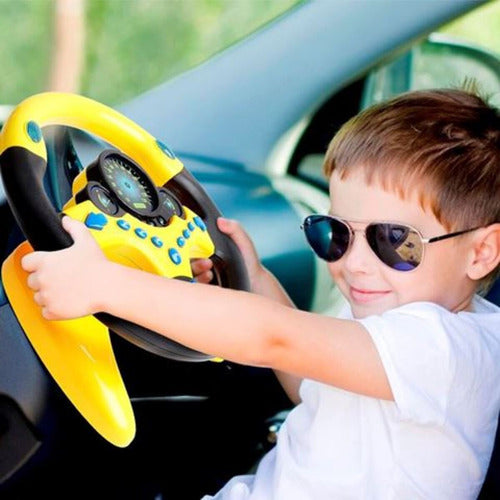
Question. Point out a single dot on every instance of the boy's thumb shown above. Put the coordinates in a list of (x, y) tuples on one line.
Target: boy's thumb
[(75, 228), (233, 229)]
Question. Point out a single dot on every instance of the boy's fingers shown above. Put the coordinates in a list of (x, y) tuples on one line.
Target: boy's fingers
[(76, 229), (199, 266), (233, 229), (32, 282), (31, 261), (202, 270), (227, 226), (205, 277), (37, 297), (47, 314)]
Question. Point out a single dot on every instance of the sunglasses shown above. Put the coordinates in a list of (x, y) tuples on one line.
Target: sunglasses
[(399, 246)]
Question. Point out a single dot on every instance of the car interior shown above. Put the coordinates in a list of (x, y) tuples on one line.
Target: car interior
[(208, 416), (218, 418)]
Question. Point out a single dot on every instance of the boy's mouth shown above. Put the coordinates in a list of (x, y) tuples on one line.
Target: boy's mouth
[(363, 295)]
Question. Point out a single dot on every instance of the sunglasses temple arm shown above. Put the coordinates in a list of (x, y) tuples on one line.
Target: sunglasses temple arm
[(446, 236)]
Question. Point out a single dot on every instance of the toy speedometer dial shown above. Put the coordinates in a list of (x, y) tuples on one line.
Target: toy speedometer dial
[(129, 183)]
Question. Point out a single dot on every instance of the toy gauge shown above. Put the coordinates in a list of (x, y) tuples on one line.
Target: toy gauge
[(116, 184), (129, 183), (103, 199)]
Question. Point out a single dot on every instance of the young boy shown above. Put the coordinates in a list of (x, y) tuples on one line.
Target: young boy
[(398, 398)]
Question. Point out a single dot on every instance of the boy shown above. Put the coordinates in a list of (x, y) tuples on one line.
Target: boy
[(398, 398)]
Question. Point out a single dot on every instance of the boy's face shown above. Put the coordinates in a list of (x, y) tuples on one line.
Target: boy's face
[(372, 287)]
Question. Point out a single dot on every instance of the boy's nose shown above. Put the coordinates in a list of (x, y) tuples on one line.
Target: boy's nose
[(359, 256)]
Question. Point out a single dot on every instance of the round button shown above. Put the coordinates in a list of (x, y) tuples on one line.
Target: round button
[(175, 256), (200, 223), (186, 234), (181, 241), (165, 149), (190, 226), (34, 131), (140, 232), (123, 224), (156, 241)]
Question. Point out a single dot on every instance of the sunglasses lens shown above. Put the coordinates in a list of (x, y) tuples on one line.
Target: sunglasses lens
[(400, 247), (328, 237)]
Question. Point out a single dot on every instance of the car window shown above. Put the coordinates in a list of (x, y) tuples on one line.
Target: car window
[(463, 51), (439, 61)]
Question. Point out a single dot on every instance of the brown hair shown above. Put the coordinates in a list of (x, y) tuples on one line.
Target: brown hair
[(442, 144)]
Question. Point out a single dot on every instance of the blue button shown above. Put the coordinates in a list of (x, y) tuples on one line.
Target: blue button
[(200, 223), (34, 131), (96, 221), (186, 234), (140, 232), (181, 241), (175, 256), (157, 242), (165, 149), (123, 224), (190, 226)]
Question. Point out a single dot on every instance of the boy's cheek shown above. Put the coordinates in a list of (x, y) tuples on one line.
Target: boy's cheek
[(334, 271), (337, 276)]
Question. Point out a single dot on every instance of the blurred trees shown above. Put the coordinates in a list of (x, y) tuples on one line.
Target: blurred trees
[(134, 45)]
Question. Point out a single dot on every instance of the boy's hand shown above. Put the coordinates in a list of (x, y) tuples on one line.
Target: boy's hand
[(202, 268), (66, 282), (233, 229)]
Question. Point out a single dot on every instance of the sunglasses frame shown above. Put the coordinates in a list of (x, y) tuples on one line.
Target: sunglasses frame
[(306, 223)]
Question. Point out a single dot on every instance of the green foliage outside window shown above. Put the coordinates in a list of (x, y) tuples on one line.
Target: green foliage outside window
[(134, 45)]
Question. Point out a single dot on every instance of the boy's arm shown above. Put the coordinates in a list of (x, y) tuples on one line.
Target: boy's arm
[(238, 326), (264, 283), (249, 329), (269, 286)]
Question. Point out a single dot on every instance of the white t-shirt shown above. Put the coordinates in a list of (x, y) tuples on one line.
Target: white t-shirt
[(434, 441)]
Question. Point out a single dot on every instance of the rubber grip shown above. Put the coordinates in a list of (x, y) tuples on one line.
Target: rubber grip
[(22, 176), (228, 260)]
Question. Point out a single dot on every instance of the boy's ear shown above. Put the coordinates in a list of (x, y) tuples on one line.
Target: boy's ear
[(485, 254)]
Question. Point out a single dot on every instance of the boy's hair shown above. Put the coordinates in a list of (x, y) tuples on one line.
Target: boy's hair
[(443, 145)]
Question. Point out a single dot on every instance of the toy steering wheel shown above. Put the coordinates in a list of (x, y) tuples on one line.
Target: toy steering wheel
[(144, 209)]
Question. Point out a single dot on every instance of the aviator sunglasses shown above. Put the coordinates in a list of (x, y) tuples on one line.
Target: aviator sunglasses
[(399, 246)]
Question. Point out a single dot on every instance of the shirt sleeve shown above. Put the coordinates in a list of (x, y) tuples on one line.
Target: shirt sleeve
[(417, 354)]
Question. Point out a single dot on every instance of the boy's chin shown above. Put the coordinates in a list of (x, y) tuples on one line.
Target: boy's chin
[(360, 311)]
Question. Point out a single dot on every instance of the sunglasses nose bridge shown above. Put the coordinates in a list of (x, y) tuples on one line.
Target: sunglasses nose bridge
[(352, 234), (366, 242), (369, 245), (359, 253)]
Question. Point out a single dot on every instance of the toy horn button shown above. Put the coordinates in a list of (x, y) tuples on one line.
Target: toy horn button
[(96, 221)]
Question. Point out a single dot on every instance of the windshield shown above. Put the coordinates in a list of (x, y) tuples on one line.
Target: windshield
[(113, 50)]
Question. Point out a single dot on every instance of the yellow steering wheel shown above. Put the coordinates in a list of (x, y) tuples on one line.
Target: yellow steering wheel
[(144, 209)]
